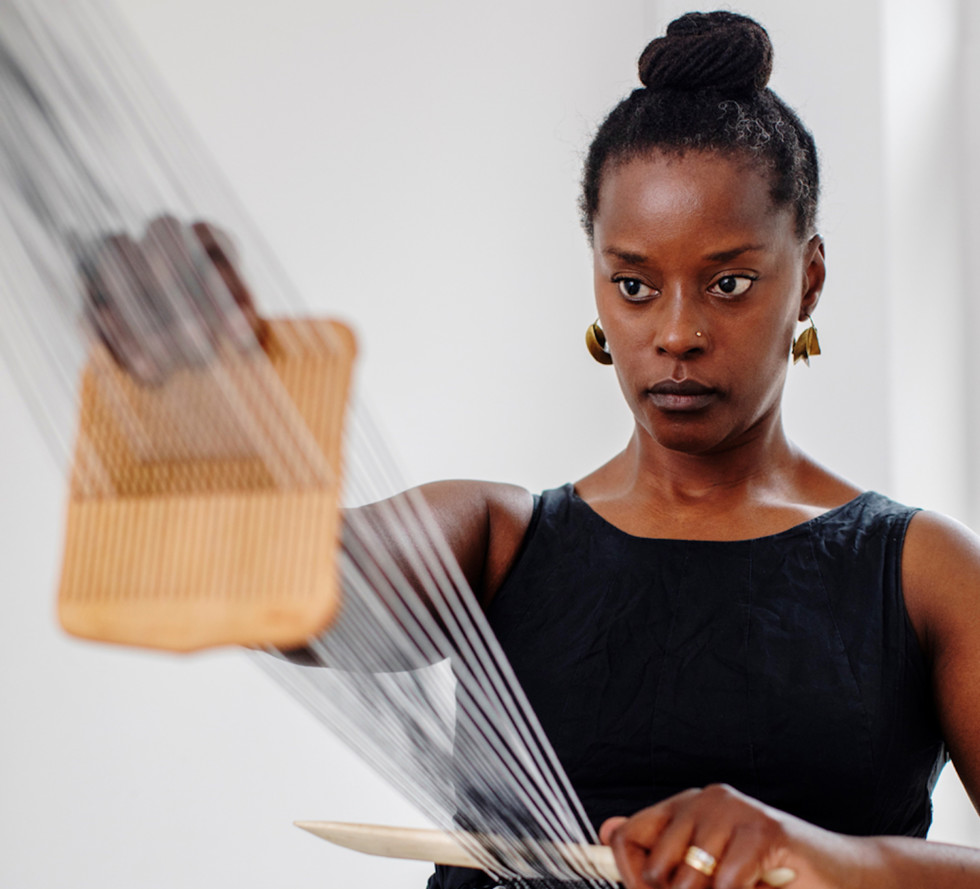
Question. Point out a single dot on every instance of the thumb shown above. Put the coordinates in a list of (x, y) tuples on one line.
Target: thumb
[(609, 827)]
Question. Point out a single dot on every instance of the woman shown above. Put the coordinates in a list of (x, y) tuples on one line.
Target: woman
[(711, 622), (743, 661)]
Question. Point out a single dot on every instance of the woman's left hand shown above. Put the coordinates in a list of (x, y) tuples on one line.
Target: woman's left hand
[(742, 838)]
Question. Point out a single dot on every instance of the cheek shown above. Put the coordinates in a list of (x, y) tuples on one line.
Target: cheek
[(764, 359), (766, 350), (772, 341), (627, 326), (768, 332)]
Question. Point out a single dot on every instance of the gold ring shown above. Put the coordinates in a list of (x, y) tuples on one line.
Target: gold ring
[(703, 862)]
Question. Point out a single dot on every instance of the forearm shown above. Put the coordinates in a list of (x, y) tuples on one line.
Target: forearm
[(900, 862), (753, 839)]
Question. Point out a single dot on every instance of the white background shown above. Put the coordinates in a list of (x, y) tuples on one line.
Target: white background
[(415, 166)]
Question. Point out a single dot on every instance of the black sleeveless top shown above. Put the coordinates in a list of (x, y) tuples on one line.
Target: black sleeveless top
[(785, 666)]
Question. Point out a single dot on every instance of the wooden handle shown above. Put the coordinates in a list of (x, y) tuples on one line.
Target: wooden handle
[(445, 847)]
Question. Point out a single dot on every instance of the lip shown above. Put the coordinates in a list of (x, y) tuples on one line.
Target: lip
[(681, 395)]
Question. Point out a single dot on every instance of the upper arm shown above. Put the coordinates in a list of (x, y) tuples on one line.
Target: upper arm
[(483, 524), (941, 578)]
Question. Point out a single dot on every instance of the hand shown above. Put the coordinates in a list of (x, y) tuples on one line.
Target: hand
[(746, 838), (170, 300)]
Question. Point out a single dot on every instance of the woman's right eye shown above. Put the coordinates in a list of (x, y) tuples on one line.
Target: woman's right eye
[(634, 289)]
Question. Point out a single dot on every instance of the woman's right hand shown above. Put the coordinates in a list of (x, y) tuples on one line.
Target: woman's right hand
[(172, 299), (744, 844)]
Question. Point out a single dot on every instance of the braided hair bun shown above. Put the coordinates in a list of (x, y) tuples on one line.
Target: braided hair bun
[(722, 51), (706, 91)]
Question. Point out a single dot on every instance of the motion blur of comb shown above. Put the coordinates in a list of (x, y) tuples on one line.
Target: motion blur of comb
[(190, 551)]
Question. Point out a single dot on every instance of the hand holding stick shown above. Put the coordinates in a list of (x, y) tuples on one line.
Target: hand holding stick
[(447, 848)]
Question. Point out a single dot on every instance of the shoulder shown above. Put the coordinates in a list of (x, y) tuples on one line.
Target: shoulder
[(941, 581), (468, 493), (480, 503), (941, 576), (484, 524)]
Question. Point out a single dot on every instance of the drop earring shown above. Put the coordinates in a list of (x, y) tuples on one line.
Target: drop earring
[(806, 344), (595, 341)]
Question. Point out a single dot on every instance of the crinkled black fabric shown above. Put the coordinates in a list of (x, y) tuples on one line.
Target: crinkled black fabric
[(785, 666)]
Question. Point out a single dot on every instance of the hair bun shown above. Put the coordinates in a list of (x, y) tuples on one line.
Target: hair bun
[(709, 50)]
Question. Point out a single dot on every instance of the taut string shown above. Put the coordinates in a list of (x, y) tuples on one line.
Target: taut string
[(200, 426)]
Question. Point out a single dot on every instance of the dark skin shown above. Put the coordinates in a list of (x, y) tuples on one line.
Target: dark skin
[(170, 300), (689, 245), (700, 282)]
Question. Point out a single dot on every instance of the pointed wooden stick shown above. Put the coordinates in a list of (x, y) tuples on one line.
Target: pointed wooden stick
[(444, 847)]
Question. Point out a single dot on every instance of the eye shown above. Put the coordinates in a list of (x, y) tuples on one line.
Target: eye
[(732, 285), (634, 289)]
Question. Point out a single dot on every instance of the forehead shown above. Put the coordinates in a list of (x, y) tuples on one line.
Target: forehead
[(699, 194)]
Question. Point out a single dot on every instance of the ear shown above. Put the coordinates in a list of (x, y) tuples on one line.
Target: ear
[(814, 272)]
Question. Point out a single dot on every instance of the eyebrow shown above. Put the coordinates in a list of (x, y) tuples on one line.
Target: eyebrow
[(626, 256), (723, 256), (729, 255)]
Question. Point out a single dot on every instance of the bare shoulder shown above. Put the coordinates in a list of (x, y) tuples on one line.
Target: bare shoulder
[(469, 495), (484, 523), (941, 578)]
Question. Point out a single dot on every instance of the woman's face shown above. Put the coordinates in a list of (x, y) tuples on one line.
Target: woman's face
[(700, 280)]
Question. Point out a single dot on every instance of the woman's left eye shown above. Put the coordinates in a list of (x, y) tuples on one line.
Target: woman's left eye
[(732, 285)]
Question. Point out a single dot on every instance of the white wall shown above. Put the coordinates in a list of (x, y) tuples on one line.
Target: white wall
[(415, 167), (927, 260)]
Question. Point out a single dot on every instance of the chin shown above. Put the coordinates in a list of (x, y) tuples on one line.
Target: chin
[(686, 437), (698, 434), (715, 430), (696, 447)]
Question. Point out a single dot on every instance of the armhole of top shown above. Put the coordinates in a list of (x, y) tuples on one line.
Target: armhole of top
[(912, 645), (532, 527), (915, 655)]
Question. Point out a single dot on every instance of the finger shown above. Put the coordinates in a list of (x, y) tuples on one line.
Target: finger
[(239, 320), (633, 838), (748, 857), (609, 826), (216, 242), (646, 826), (702, 856), (104, 321), (667, 853), (126, 312), (210, 291), (181, 287), (631, 860)]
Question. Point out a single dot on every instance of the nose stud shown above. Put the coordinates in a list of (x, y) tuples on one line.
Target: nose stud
[(698, 333)]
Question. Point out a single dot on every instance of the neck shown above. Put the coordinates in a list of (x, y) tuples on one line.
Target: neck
[(762, 459)]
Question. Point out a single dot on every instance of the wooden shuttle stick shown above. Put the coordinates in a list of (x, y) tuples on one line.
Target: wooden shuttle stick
[(442, 847)]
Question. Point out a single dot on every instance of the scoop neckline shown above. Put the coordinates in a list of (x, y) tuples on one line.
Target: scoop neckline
[(793, 529)]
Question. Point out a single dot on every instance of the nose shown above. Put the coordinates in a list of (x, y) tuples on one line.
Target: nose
[(680, 329)]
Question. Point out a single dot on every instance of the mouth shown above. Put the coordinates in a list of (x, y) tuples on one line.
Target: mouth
[(683, 396)]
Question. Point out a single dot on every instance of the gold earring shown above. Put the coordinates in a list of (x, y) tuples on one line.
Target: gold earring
[(806, 344), (595, 341)]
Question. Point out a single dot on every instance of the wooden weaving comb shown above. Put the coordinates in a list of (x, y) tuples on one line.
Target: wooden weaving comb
[(192, 547)]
